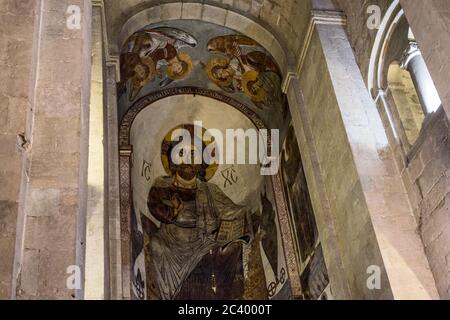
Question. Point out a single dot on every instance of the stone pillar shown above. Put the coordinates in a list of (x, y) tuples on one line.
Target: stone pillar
[(374, 225), (413, 62), (319, 198), (112, 183), (95, 228), (17, 23), (430, 24), (51, 228)]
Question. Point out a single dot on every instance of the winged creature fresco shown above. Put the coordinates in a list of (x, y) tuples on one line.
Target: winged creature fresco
[(154, 53), (239, 64)]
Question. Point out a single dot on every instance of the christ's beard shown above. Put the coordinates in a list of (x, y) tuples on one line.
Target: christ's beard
[(187, 172)]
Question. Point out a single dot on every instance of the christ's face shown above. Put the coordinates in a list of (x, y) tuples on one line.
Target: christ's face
[(189, 171)]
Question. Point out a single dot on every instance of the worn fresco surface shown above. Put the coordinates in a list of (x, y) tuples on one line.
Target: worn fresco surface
[(182, 53), (200, 231), (314, 275)]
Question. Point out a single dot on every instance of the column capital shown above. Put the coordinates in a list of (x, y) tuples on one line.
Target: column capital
[(98, 3), (413, 62), (291, 75), (410, 53), (114, 61), (319, 17), (328, 17)]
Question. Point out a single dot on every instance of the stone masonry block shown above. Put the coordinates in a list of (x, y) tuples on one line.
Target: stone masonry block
[(43, 202)]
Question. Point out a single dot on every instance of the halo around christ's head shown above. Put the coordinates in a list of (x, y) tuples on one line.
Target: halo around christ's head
[(208, 170)]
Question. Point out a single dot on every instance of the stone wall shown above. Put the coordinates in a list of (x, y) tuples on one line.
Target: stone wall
[(356, 240), (425, 171), (428, 168), (51, 213), (368, 203), (408, 105), (360, 36), (427, 178), (16, 44)]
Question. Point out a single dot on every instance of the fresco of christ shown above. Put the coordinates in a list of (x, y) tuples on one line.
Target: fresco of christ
[(196, 252)]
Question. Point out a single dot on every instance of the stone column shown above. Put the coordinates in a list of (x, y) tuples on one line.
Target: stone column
[(51, 229), (430, 23), (95, 224), (413, 62), (319, 198), (374, 227), (112, 183)]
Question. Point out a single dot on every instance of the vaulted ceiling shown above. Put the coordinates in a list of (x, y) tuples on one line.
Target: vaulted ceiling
[(286, 19)]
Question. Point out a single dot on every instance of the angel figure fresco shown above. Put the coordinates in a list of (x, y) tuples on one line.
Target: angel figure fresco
[(240, 66), (154, 53)]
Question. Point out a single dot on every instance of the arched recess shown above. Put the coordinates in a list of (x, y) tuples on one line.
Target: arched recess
[(161, 15), (125, 164), (377, 75), (408, 104), (395, 45), (390, 44)]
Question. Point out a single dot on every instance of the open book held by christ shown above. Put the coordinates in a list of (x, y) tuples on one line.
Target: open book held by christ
[(231, 230)]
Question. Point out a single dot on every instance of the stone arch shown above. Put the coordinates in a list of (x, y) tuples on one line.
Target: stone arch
[(224, 17), (407, 125), (141, 104), (393, 45), (379, 59), (386, 50)]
